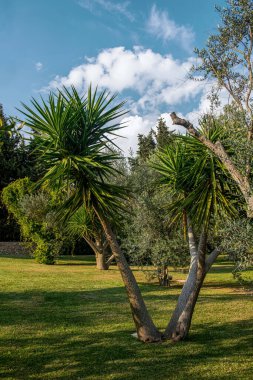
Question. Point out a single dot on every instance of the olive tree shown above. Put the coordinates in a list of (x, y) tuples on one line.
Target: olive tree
[(228, 60)]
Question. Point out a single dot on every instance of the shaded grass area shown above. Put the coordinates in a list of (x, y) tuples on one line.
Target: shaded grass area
[(71, 321)]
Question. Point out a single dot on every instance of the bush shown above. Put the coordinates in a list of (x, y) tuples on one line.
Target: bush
[(37, 217)]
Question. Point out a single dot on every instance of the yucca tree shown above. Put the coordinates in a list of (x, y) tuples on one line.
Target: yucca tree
[(73, 133), (204, 192)]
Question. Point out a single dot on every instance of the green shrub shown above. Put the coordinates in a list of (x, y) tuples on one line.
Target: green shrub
[(36, 214)]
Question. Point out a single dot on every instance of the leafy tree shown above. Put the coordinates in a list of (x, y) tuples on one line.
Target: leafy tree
[(227, 58), (72, 134), (237, 237), (201, 189), (148, 239), (15, 164), (146, 146), (36, 215), (163, 136)]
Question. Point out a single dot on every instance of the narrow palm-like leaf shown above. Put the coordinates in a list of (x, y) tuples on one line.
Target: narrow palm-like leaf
[(72, 132), (199, 182)]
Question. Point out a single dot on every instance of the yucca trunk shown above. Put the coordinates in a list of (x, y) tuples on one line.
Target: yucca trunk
[(146, 330), (180, 322)]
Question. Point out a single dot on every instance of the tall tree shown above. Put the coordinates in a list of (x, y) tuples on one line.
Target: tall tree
[(164, 137), (147, 237), (73, 133), (15, 164), (228, 58), (203, 191), (146, 146)]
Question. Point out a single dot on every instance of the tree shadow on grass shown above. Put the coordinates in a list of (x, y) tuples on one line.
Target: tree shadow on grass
[(87, 335), (85, 263), (17, 256)]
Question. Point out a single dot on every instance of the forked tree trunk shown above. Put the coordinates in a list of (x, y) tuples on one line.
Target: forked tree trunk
[(180, 322), (100, 250), (146, 330), (178, 325)]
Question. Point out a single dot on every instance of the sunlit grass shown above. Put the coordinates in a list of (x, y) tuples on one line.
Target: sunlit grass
[(71, 321)]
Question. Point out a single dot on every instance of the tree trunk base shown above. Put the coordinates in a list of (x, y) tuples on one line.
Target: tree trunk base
[(150, 338), (101, 262)]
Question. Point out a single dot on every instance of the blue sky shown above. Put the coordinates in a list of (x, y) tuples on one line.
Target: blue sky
[(141, 49)]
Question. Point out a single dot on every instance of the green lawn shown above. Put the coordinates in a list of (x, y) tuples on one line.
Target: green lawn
[(70, 321)]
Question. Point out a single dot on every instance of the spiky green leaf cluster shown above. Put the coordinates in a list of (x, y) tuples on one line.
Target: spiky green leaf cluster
[(198, 181), (72, 133)]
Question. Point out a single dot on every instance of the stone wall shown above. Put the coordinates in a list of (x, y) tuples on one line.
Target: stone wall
[(12, 248)]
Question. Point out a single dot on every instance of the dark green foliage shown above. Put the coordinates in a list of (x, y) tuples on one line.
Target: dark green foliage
[(163, 136), (15, 163), (237, 237), (146, 146), (148, 239), (153, 141)]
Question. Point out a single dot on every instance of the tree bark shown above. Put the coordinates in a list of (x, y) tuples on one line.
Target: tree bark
[(101, 261), (180, 323), (163, 275), (218, 149), (178, 326), (184, 321), (146, 330), (100, 252)]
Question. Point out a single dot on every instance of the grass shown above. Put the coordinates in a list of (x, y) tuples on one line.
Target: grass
[(71, 321)]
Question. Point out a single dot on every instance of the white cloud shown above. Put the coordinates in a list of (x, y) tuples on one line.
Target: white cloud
[(151, 76), (152, 82), (160, 25), (134, 125), (204, 104), (109, 6), (39, 66)]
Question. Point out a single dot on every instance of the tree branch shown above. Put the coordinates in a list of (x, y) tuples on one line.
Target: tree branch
[(110, 260), (212, 257), (91, 243), (220, 152)]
